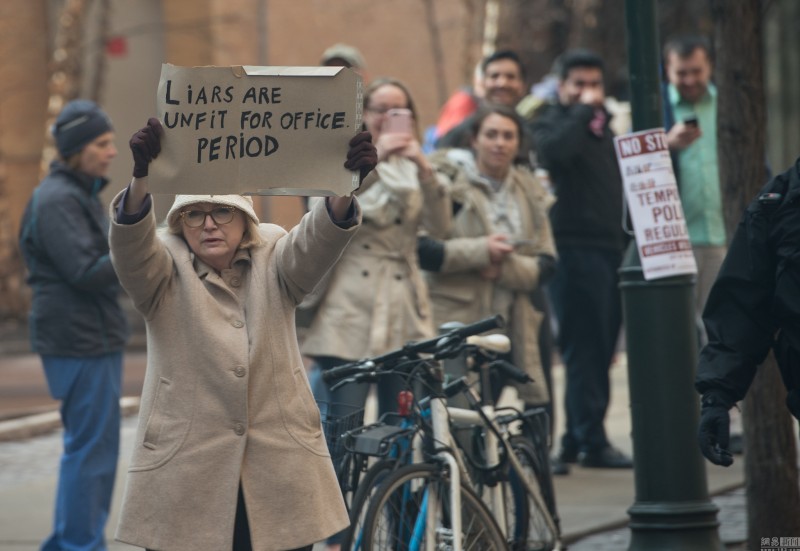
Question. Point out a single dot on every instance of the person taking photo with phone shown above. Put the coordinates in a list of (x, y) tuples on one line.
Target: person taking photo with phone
[(375, 299), (690, 106)]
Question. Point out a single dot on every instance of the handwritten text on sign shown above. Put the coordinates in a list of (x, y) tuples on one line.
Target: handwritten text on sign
[(264, 130), (654, 204)]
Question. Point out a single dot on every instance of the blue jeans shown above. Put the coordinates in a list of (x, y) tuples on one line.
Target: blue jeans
[(342, 400), (586, 301), (89, 390)]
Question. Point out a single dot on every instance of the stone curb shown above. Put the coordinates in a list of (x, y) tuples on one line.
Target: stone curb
[(42, 423)]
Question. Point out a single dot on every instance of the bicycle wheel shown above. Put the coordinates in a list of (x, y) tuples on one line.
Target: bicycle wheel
[(513, 502), (541, 532), (413, 495), (374, 476)]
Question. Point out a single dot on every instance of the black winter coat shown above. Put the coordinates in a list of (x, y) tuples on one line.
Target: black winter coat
[(754, 304), (585, 175), (64, 239)]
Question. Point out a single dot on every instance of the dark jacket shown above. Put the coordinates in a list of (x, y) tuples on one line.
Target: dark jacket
[(64, 239), (754, 304), (585, 176)]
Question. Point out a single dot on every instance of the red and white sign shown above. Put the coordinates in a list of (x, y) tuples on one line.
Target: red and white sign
[(654, 203)]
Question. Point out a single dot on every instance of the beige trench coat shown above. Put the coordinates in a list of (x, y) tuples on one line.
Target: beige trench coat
[(376, 299), (459, 293), (225, 396)]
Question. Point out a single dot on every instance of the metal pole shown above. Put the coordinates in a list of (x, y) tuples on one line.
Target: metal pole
[(672, 508)]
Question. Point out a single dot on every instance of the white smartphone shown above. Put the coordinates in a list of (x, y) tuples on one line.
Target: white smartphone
[(398, 121)]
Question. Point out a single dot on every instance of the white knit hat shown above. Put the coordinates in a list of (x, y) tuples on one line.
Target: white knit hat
[(241, 202)]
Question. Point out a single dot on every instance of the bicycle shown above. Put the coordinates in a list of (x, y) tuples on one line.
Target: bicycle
[(523, 513), (439, 477)]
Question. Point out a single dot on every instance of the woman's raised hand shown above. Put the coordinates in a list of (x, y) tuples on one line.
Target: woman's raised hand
[(362, 155), (404, 145), (392, 143), (145, 146)]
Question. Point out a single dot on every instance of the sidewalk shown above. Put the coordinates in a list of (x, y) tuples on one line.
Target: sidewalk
[(593, 503), (590, 501)]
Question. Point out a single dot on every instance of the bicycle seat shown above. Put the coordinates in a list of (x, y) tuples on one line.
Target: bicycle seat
[(493, 343)]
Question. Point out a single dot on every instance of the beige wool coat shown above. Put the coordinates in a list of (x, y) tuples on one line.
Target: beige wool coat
[(226, 398), (459, 293), (376, 298)]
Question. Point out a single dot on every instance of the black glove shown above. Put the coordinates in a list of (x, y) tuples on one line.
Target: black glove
[(145, 146), (362, 155), (713, 433)]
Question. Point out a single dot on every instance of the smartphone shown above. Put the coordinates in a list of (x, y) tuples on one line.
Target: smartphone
[(398, 121), (691, 120), (517, 243)]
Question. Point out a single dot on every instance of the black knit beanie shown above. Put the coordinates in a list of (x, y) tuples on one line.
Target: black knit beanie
[(79, 123)]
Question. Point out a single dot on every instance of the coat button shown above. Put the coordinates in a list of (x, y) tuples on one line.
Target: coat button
[(235, 282), (238, 429), (398, 277), (366, 246), (398, 221), (240, 371), (238, 324), (365, 273)]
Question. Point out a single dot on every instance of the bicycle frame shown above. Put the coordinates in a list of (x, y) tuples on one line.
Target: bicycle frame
[(426, 522), (496, 502)]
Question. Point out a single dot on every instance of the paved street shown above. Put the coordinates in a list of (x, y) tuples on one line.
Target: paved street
[(590, 500)]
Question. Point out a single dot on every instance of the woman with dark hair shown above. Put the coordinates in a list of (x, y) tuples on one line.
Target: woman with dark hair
[(499, 248), (375, 299)]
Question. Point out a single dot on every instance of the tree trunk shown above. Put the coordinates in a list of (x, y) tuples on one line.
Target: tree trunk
[(771, 458), (65, 70), (437, 53), (23, 76), (99, 63), (773, 499), (540, 30)]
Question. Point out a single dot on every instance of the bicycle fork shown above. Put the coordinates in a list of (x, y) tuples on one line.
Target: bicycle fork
[(441, 431)]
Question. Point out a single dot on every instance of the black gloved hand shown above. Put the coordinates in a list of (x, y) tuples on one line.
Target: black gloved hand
[(362, 155), (713, 433), (145, 146)]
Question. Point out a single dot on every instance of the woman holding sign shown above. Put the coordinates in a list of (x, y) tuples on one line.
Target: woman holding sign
[(376, 299), (229, 452)]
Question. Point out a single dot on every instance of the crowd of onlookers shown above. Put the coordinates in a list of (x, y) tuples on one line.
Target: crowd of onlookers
[(520, 214)]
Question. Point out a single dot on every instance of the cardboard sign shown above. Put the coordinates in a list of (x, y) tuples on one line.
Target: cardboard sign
[(256, 130), (654, 202)]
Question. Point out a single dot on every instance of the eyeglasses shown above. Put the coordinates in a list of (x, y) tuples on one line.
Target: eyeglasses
[(381, 110), (196, 218)]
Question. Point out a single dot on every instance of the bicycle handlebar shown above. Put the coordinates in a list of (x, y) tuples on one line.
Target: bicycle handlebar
[(345, 370), (458, 334), (411, 349), (511, 371)]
